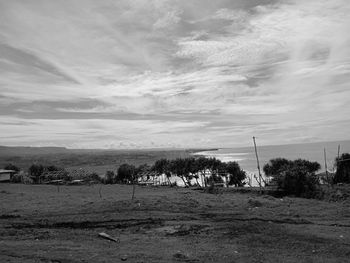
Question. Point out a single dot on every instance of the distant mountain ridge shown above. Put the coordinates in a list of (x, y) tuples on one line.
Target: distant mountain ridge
[(27, 150), (45, 150)]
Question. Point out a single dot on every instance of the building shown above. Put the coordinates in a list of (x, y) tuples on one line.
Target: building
[(6, 175)]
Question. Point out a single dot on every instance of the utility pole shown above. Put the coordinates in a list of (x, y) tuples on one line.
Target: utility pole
[(257, 160), (325, 164)]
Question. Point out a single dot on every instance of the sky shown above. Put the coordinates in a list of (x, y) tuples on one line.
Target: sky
[(173, 73)]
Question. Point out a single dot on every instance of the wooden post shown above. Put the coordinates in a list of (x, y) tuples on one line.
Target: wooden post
[(325, 164), (133, 186), (99, 191), (257, 160)]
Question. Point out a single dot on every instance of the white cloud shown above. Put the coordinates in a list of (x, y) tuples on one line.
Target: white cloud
[(228, 67)]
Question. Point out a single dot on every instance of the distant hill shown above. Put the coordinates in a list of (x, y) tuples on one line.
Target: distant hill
[(97, 160), (22, 150)]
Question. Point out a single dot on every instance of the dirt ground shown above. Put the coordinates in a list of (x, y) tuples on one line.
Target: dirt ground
[(41, 223)]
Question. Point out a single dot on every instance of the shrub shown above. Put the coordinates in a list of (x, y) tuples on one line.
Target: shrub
[(342, 174), (295, 177), (16, 178), (299, 182), (126, 173), (95, 177), (110, 177)]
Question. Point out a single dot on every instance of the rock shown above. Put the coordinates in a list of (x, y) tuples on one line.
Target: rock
[(180, 256)]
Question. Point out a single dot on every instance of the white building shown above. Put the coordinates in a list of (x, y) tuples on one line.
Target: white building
[(6, 175)]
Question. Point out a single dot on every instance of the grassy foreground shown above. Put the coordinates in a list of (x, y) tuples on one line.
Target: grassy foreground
[(40, 224)]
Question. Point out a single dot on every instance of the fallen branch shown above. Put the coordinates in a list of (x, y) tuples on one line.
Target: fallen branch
[(108, 237)]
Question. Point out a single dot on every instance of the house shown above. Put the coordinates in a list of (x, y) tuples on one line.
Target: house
[(6, 175)]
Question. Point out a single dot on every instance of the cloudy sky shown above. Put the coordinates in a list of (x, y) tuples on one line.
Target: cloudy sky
[(173, 73)]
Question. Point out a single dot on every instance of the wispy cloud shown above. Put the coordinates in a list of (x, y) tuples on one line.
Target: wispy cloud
[(173, 73)]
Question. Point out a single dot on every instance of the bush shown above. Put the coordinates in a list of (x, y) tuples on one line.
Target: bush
[(95, 177), (16, 178), (110, 177), (299, 182), (342, 174), (126, 173), (212, 189), (295, 177)]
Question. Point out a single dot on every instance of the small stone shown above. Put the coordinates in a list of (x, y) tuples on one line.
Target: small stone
[(124, 257), (180, 256)]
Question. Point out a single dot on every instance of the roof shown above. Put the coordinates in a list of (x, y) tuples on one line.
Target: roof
[(3, 171)]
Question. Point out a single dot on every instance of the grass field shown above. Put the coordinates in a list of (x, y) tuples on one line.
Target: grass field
[(38, 223)]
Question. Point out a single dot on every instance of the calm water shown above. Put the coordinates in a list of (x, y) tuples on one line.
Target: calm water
[(310, 151)]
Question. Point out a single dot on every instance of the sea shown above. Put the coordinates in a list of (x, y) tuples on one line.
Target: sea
[(246, 156)]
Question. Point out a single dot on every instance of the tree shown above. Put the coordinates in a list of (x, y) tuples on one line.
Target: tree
[(162, 166), (177, 167), (110, 177), (235, 173), (216, 168), (202, 167), (35, 171), (10, 166), (52, 168), (276, 166), (342, 174), (183, 168), (311, 167), (126, 173)]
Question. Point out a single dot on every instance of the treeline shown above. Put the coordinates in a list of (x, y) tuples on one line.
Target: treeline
[(199, 171), (203, 171), (296, 177)]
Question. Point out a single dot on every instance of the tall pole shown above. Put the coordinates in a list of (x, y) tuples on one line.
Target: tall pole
[(325, 164), (257, 161), (133, 185), (338, 151)]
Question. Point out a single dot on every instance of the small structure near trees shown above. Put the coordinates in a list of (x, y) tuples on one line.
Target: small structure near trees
[(6, 175)]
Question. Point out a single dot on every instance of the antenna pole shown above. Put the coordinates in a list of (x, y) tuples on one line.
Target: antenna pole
[(257, 161)]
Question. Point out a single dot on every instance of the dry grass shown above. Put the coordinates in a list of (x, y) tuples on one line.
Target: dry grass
[(40, 224)]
